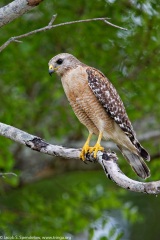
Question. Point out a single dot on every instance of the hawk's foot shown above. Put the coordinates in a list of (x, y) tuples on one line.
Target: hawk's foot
[(84, 151), (86, 147), (95, 149)]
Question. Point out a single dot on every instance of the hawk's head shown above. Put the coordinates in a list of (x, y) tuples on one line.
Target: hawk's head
[(62, 62)]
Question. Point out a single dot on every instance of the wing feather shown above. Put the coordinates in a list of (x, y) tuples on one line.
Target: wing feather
[(110, 100)]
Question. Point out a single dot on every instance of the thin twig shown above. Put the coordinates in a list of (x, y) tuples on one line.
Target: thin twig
[(116, 26), (49, 26), (18, 41), (16, 9), (8, 174), (52, 20)]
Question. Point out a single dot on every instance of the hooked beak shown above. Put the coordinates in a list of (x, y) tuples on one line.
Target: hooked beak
[(51, 70)]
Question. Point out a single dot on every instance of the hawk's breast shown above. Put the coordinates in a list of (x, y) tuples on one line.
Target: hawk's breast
[(84, 103)]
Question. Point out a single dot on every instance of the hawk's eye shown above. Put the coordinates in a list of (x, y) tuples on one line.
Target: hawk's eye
[(59, 61)]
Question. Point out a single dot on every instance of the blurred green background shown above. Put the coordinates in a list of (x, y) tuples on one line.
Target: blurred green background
[(62, 197)]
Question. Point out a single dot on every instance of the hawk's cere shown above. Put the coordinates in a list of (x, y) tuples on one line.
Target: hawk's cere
[(98, 106)]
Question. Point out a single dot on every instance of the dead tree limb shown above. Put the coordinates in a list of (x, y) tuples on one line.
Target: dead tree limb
[(109, 163), (108, 160), (16, 9)]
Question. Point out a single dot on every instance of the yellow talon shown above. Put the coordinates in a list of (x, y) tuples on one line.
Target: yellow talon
[(94, 149), (86, 147), (97, 146), (84, 151)]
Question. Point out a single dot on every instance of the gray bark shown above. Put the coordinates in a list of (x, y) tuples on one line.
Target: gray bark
[(109, 163), (108, 160), (16, 9)]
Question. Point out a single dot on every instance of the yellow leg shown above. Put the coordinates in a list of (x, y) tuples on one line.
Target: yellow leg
[(97, 146), (86, 147)]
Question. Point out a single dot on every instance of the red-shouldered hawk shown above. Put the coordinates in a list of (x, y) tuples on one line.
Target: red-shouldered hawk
[(98, 106)]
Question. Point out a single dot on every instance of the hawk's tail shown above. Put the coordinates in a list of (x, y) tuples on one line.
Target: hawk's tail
[(136, 162)]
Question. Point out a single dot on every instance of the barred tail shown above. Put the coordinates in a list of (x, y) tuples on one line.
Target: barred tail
[(136, 161), (144, 154)]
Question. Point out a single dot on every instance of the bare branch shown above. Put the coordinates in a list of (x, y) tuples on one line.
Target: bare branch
[(18, 41), (8, 174), (116, 26), (52, 20), (109, 163), (108, 160), (16, 9), (36, 143), (49, 26)]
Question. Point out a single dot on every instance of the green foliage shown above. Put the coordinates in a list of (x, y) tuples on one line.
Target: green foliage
[(130, 213), (64, 204), (6, 158)]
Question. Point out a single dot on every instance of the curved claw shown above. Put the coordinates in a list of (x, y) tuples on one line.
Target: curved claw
[(86, 147), (95, 149), (84, 151)]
